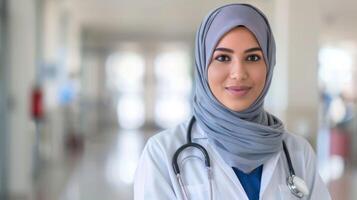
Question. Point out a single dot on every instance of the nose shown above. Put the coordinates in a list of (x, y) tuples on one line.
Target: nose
[(238, 71)]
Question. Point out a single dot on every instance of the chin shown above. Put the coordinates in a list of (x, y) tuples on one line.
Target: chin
[(237, 108)]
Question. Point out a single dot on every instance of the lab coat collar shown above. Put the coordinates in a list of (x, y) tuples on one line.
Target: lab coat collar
[(268, 167), (197, 132)]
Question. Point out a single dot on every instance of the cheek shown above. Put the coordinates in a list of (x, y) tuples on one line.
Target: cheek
[(216, 76), (259, 78)]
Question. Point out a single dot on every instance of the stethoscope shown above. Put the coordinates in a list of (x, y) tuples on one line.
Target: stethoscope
[(296, 185)]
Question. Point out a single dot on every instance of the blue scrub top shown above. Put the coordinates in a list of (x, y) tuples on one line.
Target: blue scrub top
[(250, 182)]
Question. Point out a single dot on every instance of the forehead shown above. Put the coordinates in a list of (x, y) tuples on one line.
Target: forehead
[(239, 37)]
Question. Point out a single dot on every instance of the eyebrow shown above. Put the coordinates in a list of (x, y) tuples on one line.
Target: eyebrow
[(231, 51)]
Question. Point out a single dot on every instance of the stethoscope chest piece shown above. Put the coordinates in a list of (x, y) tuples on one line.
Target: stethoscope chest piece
[(297, 186)]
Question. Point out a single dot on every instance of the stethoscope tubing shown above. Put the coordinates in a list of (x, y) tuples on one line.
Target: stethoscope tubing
[(191, 144)]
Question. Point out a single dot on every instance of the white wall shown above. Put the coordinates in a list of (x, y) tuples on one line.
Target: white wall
[(3, 100), (22, 49), (294, 93)]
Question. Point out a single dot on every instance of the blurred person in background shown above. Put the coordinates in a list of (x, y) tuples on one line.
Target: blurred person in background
[(231, 148)]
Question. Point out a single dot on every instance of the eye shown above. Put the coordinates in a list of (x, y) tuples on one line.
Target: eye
[(222, 58), (253, 58)]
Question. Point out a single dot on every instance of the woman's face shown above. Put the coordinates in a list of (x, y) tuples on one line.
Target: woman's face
[(237, 72)]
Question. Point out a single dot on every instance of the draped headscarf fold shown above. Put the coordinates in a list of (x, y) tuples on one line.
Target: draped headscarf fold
[(245, 139)]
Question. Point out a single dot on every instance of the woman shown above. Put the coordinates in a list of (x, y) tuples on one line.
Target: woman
[(235, 58)]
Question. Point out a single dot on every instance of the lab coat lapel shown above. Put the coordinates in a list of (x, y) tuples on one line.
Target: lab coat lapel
[(268, 170), (229, 173), (199, 136)]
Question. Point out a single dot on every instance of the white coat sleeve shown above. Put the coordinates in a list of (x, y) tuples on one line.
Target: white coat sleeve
[(152, 179), (318, 189)]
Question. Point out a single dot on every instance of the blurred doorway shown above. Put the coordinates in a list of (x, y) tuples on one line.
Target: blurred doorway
[(150, 83), (140, 81)]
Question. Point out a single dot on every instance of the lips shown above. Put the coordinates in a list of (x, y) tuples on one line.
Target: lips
[(238, 91)]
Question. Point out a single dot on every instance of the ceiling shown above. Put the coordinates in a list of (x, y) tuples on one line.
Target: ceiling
[(339, 20), (181, 17), (165, 17)]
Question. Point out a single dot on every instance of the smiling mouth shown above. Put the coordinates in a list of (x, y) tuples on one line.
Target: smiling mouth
[(238, 91)]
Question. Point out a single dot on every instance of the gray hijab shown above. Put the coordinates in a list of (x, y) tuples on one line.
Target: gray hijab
[(249, 138)]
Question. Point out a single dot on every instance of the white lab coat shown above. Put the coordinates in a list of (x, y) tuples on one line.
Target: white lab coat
[(155, 178)]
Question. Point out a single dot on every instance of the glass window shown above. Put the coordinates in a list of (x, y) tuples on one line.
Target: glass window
[(335, 70), (172, 74), (125, 72)]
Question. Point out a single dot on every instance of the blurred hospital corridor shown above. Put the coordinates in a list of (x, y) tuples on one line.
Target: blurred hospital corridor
[(85, 83)]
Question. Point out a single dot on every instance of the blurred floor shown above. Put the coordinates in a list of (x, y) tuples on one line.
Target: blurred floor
[(54, 177), (106, 167), (104, 170)]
